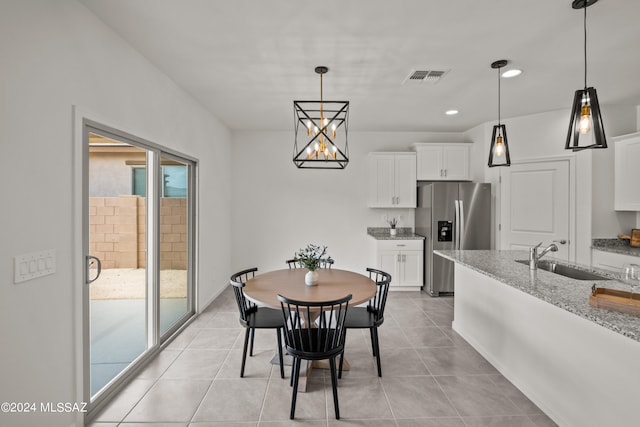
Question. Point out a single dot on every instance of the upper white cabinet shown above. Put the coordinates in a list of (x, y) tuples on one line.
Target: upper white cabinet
[(442, 162), (627, 172), (392, 180)]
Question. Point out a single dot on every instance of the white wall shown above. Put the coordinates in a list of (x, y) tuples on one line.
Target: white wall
[(271, 197), (543, 135), (279, 208), (56, 55)]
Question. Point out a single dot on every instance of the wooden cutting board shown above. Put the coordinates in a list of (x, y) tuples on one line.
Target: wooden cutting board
[(634, 238)]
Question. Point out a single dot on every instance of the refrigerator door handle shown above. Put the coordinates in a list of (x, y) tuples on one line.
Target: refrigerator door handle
[(461, 228), (456, 231)]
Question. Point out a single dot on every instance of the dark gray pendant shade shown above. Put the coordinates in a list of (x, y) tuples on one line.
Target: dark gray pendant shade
[(585, 126), (499, 149)]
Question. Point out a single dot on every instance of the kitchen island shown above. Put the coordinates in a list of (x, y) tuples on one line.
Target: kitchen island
[(580, 364)]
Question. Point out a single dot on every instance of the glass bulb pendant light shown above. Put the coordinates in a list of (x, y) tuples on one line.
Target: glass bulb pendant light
[(499, 150), (585, 128), (321, 132)]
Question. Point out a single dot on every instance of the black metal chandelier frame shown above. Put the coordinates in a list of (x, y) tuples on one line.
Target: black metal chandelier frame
[(310, 115)]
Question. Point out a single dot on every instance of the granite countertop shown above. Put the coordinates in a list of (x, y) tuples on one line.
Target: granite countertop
[(403, 233), (618, 246), (569, 294)]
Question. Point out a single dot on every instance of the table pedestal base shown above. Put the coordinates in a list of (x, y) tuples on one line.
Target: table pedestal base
[(307, 367)]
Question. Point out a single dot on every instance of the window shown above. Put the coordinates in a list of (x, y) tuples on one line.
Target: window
[(139, 181), (174, 183)]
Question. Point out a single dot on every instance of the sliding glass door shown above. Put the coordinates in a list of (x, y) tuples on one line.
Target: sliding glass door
[(138, 245), (175, 239)]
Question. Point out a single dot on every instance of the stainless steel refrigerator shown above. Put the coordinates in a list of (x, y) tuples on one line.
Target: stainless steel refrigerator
[(451, 216)]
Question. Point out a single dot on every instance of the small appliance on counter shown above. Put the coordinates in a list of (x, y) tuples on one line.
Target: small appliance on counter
[(452, 216)]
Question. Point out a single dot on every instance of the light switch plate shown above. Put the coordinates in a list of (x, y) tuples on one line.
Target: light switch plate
[(33, 265)]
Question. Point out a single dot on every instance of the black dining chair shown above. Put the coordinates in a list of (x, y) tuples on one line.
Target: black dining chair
[(371, 316), (253, 317), (293, 263), (306, 338)]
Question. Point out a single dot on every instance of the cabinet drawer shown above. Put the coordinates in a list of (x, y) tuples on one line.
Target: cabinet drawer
[(612, 261), (400, 245)]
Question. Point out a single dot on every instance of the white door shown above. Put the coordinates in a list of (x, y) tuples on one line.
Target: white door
[(535, 206), (405, 180), (381, 180), (388, 261), (456, 163), (412, 268), (429, 163)]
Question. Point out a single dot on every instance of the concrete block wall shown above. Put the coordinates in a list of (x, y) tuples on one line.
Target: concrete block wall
[(117, 232), (113, 231), (173, 233)]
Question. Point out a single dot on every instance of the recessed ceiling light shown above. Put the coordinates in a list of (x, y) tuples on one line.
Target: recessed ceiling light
[(451, 112), (511, 73)]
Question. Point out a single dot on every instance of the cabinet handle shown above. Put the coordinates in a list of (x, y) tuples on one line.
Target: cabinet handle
[(399, 258), (445, 172), (404, 258)]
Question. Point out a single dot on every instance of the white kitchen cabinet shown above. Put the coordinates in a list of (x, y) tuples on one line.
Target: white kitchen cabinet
[(403, 259), (442, 162), (611, 261), (392, 180), (627, 172)]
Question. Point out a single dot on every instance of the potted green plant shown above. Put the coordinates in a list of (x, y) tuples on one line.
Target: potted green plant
[(311, 257), (392, 223)]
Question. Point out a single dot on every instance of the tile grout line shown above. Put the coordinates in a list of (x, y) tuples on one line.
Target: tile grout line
[(155, 381), (449, 400), (209, 388), (264, 397), (386, 396)]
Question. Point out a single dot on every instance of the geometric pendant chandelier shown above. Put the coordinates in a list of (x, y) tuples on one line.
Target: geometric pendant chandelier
[(321, 129), (499, 150), (585, 127)]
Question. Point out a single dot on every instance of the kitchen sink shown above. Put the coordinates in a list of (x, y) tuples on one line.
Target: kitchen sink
[(565, 270)]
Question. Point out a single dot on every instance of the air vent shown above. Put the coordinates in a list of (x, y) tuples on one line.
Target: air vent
[(424, 75)]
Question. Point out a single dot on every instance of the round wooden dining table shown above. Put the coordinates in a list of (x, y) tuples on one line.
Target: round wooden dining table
[(263, 289)]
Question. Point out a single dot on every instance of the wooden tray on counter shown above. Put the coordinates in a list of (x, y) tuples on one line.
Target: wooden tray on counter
[(612, 299)]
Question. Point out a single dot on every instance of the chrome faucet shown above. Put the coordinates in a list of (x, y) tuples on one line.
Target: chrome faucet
[(534, 256)]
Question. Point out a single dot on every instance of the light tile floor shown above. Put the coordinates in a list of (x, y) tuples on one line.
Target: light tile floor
[(430, 377)]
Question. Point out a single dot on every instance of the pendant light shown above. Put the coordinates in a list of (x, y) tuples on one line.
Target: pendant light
[(320, 126), (499, 150), (585, 128)]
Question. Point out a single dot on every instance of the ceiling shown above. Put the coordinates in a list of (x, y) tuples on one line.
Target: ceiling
[(247, 60)]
